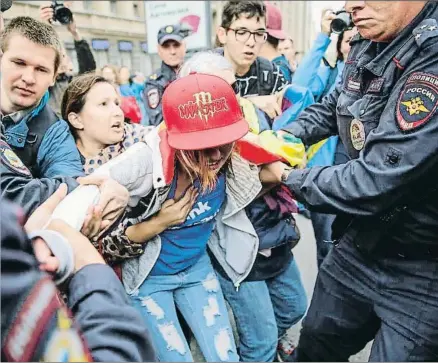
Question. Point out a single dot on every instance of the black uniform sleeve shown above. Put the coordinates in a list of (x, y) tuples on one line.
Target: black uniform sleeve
[(85, 57), (36, 325), (30, 193), (399, 156), (318, 121), (18, 185)]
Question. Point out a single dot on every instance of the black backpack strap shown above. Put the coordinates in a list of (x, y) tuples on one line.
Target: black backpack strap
[(38, 127), (265, 73)]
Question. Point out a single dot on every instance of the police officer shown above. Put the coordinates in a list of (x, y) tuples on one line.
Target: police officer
[(172, 50), (36, 325), (381, 280)]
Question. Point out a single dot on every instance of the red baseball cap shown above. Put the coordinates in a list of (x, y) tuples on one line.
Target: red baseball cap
[(201, 111), (274, 23)]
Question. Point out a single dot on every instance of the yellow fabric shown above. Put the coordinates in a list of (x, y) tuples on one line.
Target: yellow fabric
[(288, 147), (250, 115), (312, 150)]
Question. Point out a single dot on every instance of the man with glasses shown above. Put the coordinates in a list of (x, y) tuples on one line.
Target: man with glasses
[(242, 34)]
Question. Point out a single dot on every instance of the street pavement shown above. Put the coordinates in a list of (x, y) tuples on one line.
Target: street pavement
[(305, 254)]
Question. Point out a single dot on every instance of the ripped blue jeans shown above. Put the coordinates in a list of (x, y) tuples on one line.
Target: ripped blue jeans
[(197, 294)]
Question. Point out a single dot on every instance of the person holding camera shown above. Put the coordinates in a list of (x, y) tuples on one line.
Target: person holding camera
[(99, 324), (61, 13), (321, 80)]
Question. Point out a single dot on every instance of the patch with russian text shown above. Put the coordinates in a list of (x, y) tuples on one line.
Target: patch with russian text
[(418, 101), (353, 84), (11, 160), (376, 85)]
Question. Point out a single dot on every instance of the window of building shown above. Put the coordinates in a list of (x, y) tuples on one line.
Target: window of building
[(100, 48), (88, 5), (136, 10), (113, 6)]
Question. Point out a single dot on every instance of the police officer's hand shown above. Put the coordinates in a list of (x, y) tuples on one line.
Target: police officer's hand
[(326, 20), (273, 172), (112, 202), (39, 220), (83, 251), (268, 104)]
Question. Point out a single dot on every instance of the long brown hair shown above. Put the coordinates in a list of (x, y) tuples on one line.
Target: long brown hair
[(195, 164)]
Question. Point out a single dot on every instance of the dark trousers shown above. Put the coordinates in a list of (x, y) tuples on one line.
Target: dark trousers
[(358, 298), (322, 228)]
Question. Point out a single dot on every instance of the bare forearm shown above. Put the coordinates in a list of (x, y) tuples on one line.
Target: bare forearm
[(144, 231)]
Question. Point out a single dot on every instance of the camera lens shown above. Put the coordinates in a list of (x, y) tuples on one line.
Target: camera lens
[(341, 22), (63, 15)]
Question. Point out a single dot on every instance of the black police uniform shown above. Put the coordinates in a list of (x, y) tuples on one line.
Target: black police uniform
[(37, 326), (381, 280), (157, 82)]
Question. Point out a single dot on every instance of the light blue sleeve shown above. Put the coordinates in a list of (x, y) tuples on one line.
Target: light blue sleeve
[(58, 154), (308, 72)]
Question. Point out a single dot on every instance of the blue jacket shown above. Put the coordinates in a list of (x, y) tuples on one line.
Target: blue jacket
[(283, 63), (311, 74), (57, 154), (136, 90)]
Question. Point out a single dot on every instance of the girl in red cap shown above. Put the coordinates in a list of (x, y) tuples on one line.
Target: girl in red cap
[(189, 189)]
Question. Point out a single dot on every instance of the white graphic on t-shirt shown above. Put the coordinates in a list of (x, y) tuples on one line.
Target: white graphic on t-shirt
[(200, 209)]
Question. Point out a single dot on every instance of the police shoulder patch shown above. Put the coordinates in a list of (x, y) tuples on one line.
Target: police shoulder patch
[(418, 101), (153, 98), (11, 160)]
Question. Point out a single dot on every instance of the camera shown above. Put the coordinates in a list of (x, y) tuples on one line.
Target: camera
[(5, 5), (61, 13), (342, 22)]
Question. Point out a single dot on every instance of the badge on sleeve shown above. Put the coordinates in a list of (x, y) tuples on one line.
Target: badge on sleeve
[(153, 98), (418, 101), (65, 343), (11, 160), (357, 134)]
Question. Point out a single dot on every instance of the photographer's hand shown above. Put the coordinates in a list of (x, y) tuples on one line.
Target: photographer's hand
[(326, 21), (74, 31), (46, 13)]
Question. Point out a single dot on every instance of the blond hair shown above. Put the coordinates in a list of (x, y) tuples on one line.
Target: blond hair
[(195, 164)]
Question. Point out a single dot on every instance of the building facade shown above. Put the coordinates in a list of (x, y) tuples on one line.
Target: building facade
[(115, 30)]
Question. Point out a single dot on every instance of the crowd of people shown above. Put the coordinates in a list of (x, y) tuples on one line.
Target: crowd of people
[(139, 212)]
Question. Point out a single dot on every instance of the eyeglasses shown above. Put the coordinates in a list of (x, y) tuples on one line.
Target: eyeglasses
[(242, 35)]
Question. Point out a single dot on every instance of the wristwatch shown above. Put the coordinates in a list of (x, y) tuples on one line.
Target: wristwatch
[(285, 174)]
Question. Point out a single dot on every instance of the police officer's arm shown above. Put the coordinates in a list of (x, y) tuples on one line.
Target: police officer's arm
[(398, 155), (28, 192), (58, 154), (318, 121), (18, 185), (111, 327)]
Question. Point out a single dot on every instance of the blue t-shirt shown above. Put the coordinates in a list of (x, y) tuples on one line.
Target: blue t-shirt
[(183, 245)]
